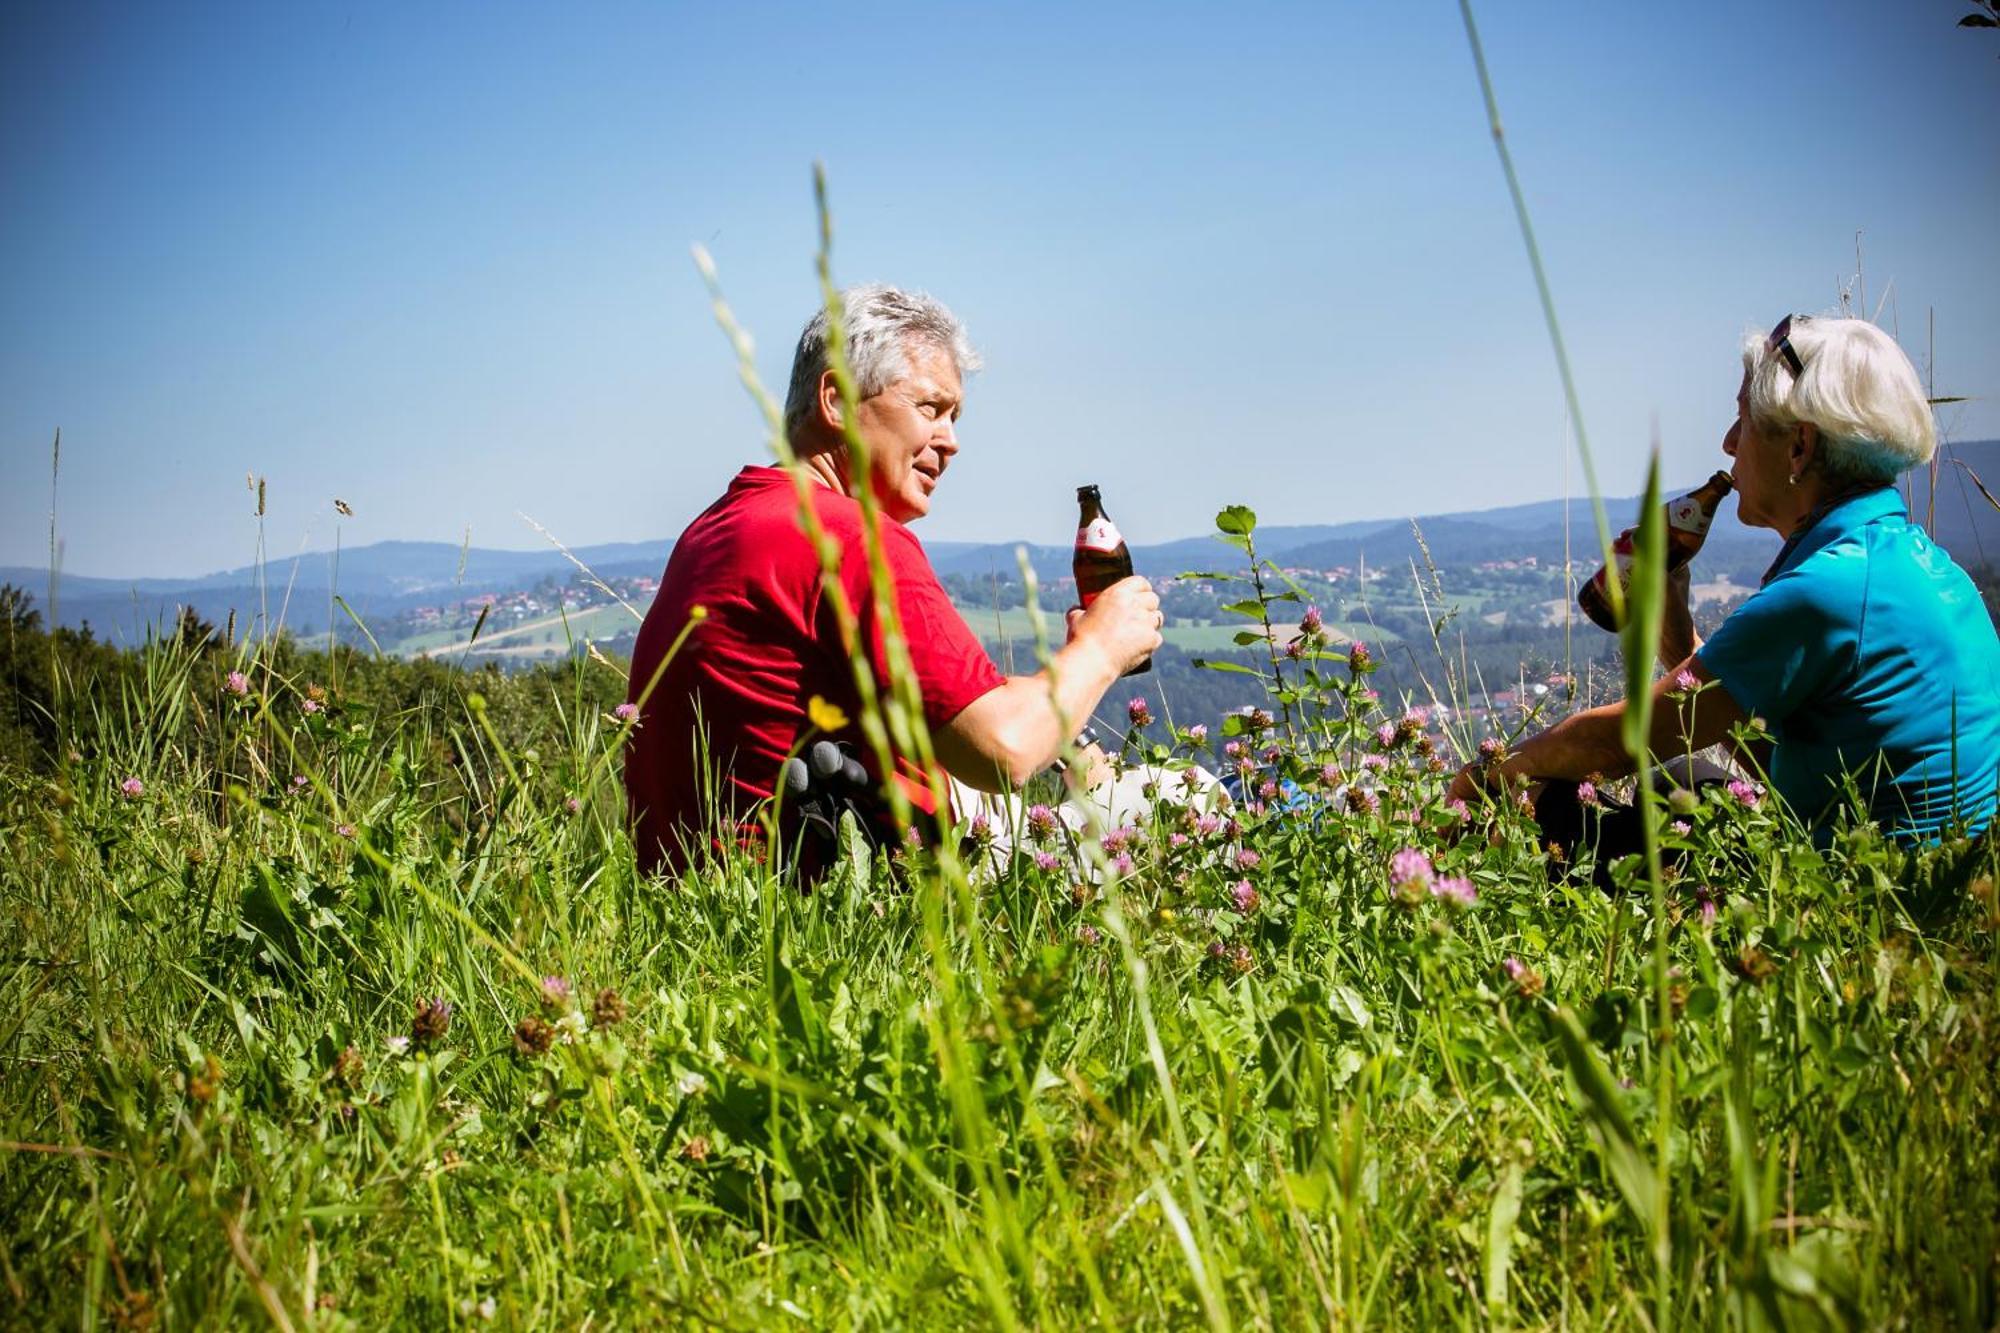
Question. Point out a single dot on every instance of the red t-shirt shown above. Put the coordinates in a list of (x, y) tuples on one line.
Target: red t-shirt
[(770, 642)]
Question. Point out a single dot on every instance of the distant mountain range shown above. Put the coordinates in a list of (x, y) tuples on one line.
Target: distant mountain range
[(385, 578)]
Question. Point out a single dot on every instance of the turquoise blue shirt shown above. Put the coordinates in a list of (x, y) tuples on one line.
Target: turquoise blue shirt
[(1868, 653)]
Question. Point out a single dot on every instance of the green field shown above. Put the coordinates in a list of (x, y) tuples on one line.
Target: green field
[(545, 635), (279, 1048)]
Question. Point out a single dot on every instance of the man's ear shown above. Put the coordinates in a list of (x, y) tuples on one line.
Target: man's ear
[(828, 402)]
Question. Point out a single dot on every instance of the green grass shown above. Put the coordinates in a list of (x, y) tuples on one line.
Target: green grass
[(883, 1103)]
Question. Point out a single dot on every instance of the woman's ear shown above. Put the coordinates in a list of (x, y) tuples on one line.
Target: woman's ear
[(1805, 447), (829, 402)]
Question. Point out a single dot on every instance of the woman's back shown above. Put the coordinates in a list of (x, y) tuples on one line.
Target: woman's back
[(1870, 655)]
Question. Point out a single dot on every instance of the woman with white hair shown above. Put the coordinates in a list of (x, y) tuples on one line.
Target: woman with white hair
[(1866, 654)]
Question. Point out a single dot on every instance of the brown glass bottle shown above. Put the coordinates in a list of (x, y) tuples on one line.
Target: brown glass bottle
[(1688, 518), (1102, 558)]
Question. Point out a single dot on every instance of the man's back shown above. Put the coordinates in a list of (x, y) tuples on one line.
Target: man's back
[(769, 642)]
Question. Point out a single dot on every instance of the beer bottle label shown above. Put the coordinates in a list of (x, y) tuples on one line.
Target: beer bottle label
[(1100, 534), (1687, 514)]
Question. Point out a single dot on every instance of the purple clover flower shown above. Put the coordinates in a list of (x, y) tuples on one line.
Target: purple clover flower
[(1138, 713), (626, 711), (1243, 897), (132, 788), (1455, 890)]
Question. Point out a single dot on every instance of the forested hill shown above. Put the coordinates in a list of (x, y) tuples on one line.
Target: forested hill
[(381, 581)]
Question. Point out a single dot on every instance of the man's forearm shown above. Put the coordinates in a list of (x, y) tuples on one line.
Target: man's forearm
[(1015, 731)]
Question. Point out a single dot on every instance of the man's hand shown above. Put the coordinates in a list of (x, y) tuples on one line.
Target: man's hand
[(1123, 623), (1011, 732)]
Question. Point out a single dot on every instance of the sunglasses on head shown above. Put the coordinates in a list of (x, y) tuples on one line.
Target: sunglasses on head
[(1780, 344)]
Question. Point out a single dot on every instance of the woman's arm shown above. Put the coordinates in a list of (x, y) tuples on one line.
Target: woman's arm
[(1678, 641), (1592, 742)]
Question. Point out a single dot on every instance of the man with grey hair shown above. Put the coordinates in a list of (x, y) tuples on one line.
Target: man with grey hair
[(763, 651)]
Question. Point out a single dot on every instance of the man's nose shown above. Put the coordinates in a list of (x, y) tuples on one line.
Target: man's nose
[(945, 438), (1729, 438)]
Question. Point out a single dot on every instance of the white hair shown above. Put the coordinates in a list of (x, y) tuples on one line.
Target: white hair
[(1854, 384), (879, 321)]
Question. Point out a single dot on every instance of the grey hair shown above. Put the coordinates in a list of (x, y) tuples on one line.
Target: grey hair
[(879, 321), (1856, 385)]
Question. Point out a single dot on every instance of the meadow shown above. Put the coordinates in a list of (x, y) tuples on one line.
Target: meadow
[(332, 1000)]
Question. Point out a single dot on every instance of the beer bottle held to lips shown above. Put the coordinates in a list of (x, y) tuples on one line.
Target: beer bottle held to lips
[(1687, 528), (1102, 558)]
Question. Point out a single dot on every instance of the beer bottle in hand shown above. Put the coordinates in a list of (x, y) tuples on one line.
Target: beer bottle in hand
[(1102, 558), (1687, 527)]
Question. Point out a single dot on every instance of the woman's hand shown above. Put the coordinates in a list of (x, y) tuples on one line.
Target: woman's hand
[(1467, 785)]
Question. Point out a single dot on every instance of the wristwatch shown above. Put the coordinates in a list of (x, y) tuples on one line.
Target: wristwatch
[(1084, 740)]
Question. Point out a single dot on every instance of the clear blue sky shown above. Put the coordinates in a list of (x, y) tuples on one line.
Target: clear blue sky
[(433, 259)]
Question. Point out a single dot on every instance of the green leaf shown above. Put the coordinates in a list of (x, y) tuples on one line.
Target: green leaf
[(1604, 1110), (1248, 607), (1645, 594), (1349, 1008), (1237, 520), (1500, 1238), (1206, 665), (1245, 637)]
